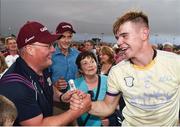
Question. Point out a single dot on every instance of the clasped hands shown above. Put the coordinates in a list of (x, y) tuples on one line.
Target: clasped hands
[(78, 100)]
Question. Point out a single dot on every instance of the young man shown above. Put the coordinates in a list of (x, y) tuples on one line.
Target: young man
[(63, 66), (27, 82), (89, 46), (148, 79)]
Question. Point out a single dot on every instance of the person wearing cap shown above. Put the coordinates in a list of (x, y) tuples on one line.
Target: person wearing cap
[(28, 85), (63, 67), (147, 78), (168, 47)]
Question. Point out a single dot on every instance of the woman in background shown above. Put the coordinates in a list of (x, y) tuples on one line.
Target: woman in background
[(107, 60), (90, 82), (106, 56), (12, 51)]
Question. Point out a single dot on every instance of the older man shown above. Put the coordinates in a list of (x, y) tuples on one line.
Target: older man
[(28, 85)]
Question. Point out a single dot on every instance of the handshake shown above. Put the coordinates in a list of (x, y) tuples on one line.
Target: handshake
[(80, 102)]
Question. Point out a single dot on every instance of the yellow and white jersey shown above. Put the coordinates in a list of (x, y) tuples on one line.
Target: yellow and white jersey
[(151, 93)]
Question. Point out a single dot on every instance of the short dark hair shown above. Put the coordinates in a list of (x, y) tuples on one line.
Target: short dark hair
[(90, 41), (82, 56), (133, 16)]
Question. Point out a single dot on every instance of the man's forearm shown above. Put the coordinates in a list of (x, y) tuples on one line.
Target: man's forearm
[(57, 120), (101, 109), (62, 119)]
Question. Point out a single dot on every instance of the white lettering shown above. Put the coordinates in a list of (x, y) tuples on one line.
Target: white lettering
[(66, 26), (29, 39), (43, 29)]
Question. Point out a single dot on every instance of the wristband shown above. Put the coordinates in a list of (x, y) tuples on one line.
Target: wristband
[(60, 97)]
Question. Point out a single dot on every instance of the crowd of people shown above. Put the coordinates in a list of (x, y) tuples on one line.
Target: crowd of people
[(132, 82)]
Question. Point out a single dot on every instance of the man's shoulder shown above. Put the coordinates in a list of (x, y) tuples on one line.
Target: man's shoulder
[(122, 64), (74, 50), (15, 79), (164, 55), (14, 87)]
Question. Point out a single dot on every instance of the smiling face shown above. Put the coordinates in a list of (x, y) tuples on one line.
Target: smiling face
[(88, 66), (104, 58), (106, 55), (86, 63), (131, 37), (41, 54), (65, 41), (132, 33), (11, 44)]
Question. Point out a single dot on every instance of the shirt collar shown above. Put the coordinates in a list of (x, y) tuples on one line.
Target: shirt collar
[(28, 72), (58, 50)]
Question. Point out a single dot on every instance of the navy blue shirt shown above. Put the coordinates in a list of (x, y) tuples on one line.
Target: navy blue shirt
[(32, 94)]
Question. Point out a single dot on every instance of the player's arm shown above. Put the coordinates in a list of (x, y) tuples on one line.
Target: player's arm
[(106, 107)]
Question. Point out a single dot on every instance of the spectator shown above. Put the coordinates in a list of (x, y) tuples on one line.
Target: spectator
[(2, 48), (90, 82), (81, 48), (12, 50), (63, 67), (118, 56), (107, 62), (27, 82), (8, 111), (75, 45), (106, 57), (168, 47), (3, 65), (89, 46), (149, 87)]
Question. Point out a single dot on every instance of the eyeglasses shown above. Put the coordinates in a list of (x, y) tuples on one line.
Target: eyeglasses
[(47, 46)]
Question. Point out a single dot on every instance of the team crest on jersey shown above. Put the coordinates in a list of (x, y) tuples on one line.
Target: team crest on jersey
[(129, 81), (49, 81)]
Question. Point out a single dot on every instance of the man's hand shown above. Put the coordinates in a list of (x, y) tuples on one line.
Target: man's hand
[(61, 84), (67, 95), (80, 102), (86, 104)]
